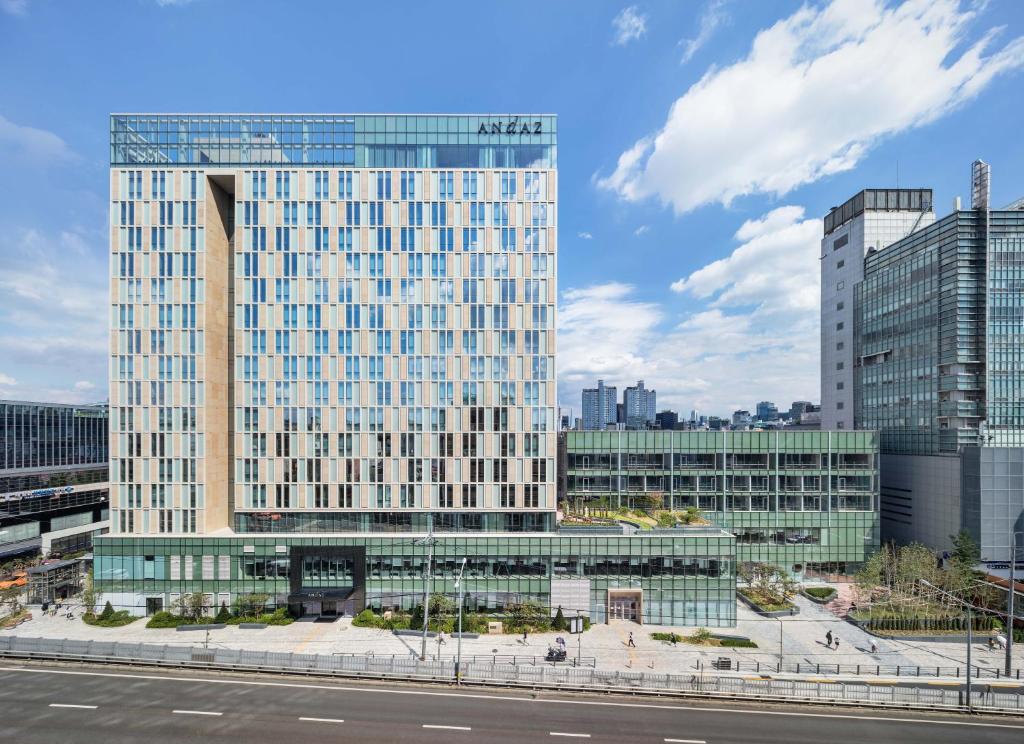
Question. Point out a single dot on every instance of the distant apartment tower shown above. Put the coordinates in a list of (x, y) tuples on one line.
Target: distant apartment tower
[(639, 406), (767, 411), (871, 219), (741, 418), (798, 408), (599, 406), (667, 420), (939, 373)]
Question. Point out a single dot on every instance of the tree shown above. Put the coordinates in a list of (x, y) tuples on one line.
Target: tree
[(223, 615), (768, 581), (559, 622), (251, 605), (966, 553), (90, 597), (11, 595), (528, 614), (108, 611), (649, 501), (191, 606)]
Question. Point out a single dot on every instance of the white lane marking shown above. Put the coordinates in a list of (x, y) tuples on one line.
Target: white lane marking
[(450, 728), (513, 698), (562, 733), (198, 712), (322, 720), (72, 705), (687, 741)]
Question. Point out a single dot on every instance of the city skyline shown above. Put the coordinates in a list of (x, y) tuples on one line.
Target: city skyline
[(741, 298)]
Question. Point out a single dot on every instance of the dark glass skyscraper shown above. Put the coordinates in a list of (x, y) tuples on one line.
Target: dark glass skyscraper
[(53, 476)]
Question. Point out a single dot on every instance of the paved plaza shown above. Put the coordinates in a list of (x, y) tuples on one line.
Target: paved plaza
[(803, 641)]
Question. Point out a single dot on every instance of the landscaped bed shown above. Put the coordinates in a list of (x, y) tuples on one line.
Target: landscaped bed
[(704, 637), (819, 594), (761, 602)]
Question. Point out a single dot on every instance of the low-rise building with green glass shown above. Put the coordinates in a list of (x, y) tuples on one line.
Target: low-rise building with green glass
[(804, 501)]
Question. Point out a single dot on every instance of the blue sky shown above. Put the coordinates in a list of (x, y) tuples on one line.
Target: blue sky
[(700, 144)]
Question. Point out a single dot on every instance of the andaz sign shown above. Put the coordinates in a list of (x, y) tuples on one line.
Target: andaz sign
[(513, 126)]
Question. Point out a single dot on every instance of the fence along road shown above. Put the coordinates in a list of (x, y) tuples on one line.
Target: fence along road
[(985, 696)]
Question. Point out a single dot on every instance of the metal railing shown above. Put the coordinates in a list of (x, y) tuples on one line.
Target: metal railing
[(984, 697), (888, 670)]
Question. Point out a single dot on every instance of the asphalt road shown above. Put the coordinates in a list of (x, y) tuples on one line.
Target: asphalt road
[(65, 705)]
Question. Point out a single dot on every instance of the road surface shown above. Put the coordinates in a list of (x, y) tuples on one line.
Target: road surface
[(48, 704)]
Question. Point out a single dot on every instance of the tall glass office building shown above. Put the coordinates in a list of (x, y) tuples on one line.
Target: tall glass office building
[(939, 374), (53, 476), (331, 334)]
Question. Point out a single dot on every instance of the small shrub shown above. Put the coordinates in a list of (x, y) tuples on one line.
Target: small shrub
[(365, 619), (223, 615), (108, 612), (559, 622), (736, 643), (820, 592), (113, 620), (165, 619), (703, 635)]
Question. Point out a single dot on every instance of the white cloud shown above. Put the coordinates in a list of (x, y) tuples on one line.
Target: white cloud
[(7, 379), (53, 314), (713, 16), (32, 143), (641, 230), (14, 7), (584, 235), (816, 91), (753, 336), (630, 24), (775, 268), (84, 385)]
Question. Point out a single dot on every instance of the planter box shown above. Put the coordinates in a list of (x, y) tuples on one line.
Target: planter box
[(794, 610), (818, 600), (252, 626), (209, 626)]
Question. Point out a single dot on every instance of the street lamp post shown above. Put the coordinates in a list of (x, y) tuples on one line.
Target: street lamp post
[(780, 645), (429, 541), (970, 632), (1009, 604), (458, 653)]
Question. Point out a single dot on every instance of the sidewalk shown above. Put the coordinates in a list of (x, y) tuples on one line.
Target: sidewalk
[(803, 642)]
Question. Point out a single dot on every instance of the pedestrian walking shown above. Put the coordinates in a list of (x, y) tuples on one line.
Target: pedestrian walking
[(874, 647), (674, 639), (836, 641), (632, 643), (440, 638), (828, 639), (524, 637)]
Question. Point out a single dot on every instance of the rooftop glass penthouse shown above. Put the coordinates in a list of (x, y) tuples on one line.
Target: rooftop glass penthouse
[(326, 140)]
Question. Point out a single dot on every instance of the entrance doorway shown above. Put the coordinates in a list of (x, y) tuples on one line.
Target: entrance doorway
[(154, 605), (625, 604)]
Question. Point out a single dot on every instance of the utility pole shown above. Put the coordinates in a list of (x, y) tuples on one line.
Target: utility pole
[(458, 653), (429, 541), (970, 639)]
